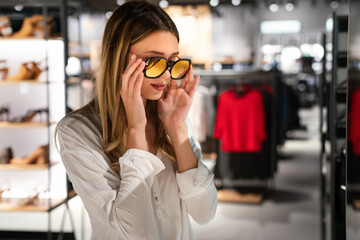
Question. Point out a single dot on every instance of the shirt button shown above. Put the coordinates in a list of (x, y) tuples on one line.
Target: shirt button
[(156, 198)]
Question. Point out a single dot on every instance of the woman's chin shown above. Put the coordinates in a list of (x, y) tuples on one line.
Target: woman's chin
[(154, 97)]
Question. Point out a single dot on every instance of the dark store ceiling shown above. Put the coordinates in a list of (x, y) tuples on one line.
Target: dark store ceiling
[(6, 6)]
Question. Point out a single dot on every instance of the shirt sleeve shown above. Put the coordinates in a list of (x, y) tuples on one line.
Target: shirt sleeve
[(122, 203), (197, 188)]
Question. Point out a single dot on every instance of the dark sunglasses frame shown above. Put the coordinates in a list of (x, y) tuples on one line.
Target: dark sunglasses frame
[(168, 64)]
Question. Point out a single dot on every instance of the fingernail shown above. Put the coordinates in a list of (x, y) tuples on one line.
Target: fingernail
[(132, 56)]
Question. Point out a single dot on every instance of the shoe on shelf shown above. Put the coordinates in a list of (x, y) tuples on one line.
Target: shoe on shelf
[(5, 26), (4, 113), (33, 27), (5, 155), (39, 156), (27, 73), (28, 117), (21, 75), (3, 73)]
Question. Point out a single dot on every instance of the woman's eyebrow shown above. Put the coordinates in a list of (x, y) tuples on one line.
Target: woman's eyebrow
[(161, 53)]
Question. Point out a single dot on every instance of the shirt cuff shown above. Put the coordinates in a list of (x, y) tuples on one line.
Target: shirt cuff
[(194, 181), (145, 163)]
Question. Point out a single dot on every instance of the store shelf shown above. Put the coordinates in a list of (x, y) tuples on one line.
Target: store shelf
[(12, 166), (37, 205), (29, 38), (25, 124), (11, 82), (32, 204)]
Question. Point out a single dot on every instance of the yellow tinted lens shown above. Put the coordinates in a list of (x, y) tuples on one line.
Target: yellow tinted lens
[(180, 69), (155, 67)]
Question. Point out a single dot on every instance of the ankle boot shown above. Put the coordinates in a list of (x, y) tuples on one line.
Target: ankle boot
[(5, 155), (32, 158), (21, 74)]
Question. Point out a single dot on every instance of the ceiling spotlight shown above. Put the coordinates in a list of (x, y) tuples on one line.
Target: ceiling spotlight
[(274, 7), (214, 3), (289, 6), (108, 14), (236, 2), (163, 4), (120, 2), (19, 7), (334, 4)]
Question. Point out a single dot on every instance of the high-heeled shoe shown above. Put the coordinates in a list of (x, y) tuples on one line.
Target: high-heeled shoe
[(27, 73), (5, 155), (33, 27), (39, 156), (21, 74), (30, 115)]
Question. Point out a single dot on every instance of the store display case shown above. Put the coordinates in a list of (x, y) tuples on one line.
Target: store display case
[(32, 101)]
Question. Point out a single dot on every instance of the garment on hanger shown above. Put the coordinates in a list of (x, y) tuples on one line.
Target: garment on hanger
[(354, 119), (240, 120), (202, 113)]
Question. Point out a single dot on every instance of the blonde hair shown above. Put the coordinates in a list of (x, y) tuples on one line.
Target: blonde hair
[(130, 23)]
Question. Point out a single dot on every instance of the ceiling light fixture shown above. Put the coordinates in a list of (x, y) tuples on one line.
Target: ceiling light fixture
[(334, 4), (289, 6), (236, 2), (274, 7), (19, 7), (108, 14), (120, 2), (214, 3), (163, 4)]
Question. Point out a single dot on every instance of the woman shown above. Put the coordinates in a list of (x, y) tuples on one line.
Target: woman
[(129, 153)]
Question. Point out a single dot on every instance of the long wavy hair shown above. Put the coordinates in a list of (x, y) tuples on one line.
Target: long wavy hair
[(129, 23)]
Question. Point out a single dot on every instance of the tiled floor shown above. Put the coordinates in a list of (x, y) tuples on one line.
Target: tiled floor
[(292, 209)]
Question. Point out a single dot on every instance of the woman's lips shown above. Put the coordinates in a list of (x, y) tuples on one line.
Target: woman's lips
[(159, 87)]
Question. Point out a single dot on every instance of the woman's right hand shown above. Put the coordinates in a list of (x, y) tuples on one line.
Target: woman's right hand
[(130, 91)]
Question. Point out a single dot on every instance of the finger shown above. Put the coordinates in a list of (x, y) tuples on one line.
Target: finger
[(125, 74), (187, 78), (135, 77), (194, 86), (190, 81), (183, 82), (138, 84), (173, 85), (131, 68)]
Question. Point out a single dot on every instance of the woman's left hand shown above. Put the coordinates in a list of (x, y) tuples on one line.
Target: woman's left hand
[(175, 105)]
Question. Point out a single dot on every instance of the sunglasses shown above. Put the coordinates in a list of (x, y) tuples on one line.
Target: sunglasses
[(156, 66)]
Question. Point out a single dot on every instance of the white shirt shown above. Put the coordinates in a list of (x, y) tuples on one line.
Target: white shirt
[(150, 199)]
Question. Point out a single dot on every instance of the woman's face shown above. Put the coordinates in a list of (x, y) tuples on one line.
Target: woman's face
[(158, 44)]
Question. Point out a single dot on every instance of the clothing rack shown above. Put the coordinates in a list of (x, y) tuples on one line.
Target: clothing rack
[(229, 78)]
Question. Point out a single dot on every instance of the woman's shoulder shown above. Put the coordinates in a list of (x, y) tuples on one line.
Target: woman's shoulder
[(80, 123)]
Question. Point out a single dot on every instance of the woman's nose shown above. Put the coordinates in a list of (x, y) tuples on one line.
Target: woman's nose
[(167, 74)]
